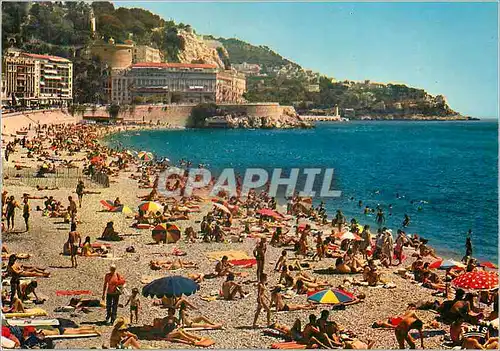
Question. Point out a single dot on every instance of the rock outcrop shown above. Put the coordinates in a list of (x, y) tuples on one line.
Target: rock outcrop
[(195, 50)]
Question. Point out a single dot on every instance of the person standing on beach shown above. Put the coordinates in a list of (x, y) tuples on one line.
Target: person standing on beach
[(10, 212), (79, 191), (26, 213), (72, 209), (74, 238), (15, 278), (113, 282), (263, 301), (260, 255), (388, 245)]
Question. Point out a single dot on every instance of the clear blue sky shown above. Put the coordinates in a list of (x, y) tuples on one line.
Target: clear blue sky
[(445, 48)]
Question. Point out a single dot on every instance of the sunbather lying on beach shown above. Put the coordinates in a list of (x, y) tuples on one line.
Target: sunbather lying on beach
[(196, 322), (78, 302), (88, 329), (171, 265), (277, 300), (31, 271), (172, 332)]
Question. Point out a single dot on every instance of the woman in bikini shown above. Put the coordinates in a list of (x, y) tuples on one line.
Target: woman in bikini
[(196, 322), (173, 333), (277, 300)]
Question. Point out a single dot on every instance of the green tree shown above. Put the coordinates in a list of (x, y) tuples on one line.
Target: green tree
[(113, 111)]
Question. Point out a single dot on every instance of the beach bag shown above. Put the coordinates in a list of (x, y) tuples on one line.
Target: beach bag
[(120, 285)]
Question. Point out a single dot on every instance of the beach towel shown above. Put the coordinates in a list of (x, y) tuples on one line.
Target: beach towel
[(24, 322), (231, 255), (7, 343), (73, 292), (247, 263), (428, 333), (289, 345), (72, 336), (98, 245), (202, 328), (30, 312), (204, 342)]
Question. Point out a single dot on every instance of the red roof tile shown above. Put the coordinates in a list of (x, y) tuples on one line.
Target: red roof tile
[(172, 65), (47, 57)]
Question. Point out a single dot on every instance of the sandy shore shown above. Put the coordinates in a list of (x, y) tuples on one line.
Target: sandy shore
[(47, 236)]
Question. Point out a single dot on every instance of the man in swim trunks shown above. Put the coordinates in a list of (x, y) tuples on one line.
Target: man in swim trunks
[(223, 267), (410, 321), (230, 288), (74, 242)]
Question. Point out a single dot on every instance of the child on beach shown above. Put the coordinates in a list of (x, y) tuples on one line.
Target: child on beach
[(135, 304)]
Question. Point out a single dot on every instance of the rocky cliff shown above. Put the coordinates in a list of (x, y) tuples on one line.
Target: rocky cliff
[(195, 50)]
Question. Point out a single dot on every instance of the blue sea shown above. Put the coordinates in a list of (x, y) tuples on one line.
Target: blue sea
[(446, 173)]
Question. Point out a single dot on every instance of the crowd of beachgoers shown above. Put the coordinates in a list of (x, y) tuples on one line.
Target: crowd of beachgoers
[(120, 265)]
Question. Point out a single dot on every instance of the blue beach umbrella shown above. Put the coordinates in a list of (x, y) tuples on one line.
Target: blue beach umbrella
[(174, 286)]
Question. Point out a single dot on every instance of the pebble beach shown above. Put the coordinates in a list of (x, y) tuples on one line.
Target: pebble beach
[(45, 239)]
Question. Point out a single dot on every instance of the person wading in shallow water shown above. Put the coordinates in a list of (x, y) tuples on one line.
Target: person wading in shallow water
[(468, 245)]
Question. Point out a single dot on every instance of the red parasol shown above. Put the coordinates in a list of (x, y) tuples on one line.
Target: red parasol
[(96, 160), (488, 265), (477, 280), (270, 213)]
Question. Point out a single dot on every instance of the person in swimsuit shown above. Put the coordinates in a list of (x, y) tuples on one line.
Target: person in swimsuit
[(196, 322), (121, 338), (26, 213), (79, 191), (277, 300), (74, 242), (263, 301), (10, 212), (173, 333), (230, 288), (410, 321), (135, 304), (260, 255), (223, 267), (15, 278)]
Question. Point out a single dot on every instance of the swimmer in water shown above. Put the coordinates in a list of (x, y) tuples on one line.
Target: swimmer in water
[(390, 209), (360, 203), (406, 221), (377, 192)]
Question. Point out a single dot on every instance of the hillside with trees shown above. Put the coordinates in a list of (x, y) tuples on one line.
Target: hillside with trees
[(63, 29)]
